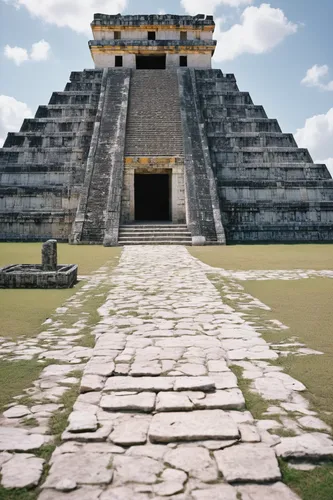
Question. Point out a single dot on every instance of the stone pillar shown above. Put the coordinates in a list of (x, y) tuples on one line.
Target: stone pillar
[(49, 255)]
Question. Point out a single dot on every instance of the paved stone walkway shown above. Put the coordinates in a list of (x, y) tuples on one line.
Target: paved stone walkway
[(160, 413)]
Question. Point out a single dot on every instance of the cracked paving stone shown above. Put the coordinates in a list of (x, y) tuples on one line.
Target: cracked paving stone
[(17, 412), (192, 426), (311, 446), (144, 401), (80, 421), (85, 493), (130, 469), (99, 435), (248, 463), (131, 430), (194, 384), (196, 461), (92, 383), (173, 401), (121, 493), (139, 384), (218, 492), (277, 491), (14, 439), (229, 399), (22, 471), (81, 467)]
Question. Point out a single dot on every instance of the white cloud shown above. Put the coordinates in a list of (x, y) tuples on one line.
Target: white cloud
[(16, 54), (314, 76), (40, 51), (261, 29), (74, 14), (194, 7), (317, 136), (12, 113)]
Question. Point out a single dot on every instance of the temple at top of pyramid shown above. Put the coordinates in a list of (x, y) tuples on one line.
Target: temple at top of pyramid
[(153, 146)]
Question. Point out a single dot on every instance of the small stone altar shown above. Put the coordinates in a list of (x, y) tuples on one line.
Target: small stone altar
[(46, 275)]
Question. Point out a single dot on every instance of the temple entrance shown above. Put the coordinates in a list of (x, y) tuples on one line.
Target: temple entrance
[(152, 197), (151, 62)]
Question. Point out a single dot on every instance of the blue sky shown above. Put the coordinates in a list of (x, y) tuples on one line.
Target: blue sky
[(270, 52)]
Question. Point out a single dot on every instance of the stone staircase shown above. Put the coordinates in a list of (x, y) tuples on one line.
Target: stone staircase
[(154, 234), (154, 123)]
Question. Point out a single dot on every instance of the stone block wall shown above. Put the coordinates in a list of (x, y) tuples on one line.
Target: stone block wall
[(42, 167), (269, 189)]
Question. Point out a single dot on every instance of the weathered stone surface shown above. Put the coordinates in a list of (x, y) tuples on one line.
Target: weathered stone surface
[(195, 461), (144, 401), (277, 491), (155, 451), (103, 367), (249, 433), (80, 421), (14, 439), (248, 463), (192, 426), (85, 493), (314, 423), (170, 475), (168, 488), (139, 384), (136, 469), (218, 492), (17, 412), (4, 457), (194, 384), (131, 430), (122, 493), (311, 446), (81, 467), (99, 435), (173, 401), (92, 383), (230, 399), (21, 471)]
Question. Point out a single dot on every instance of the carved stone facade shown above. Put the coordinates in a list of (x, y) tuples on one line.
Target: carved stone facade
[(137, 144)]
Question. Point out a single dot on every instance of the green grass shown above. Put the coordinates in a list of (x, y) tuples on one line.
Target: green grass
[(17, 494), (88, 257), (23, 311), (15, 376), (306, 307), (316, 484), (253, 401), (245, 257)]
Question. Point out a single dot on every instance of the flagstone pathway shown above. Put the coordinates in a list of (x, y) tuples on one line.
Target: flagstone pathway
[(160, 413)]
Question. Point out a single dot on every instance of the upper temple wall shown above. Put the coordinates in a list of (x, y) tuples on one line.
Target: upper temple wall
[(143, 35)]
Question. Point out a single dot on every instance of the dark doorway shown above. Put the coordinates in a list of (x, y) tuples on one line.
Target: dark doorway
[(150, 62), (152, 197)]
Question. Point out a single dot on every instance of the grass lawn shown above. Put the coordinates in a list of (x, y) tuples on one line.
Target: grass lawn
[(88, 257), (246, 257), (22, 312), (306, 306)]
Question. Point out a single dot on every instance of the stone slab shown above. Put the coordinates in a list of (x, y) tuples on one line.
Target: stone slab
[(14, 439), (311, 446), (248, 463), (139, 384), (22, 471), (277, 491), (144, 401), (81, 467), (192, 426)]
